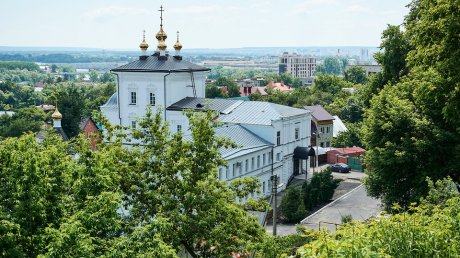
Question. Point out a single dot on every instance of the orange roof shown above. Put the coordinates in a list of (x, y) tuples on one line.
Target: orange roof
[(349, 150), (280, 86)]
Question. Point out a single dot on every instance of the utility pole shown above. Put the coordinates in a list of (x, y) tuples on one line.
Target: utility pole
[(274, 180)]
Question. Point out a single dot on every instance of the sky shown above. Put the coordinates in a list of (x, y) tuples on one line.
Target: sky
[(118, 24)]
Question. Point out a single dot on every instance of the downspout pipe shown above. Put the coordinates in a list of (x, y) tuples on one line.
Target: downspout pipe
[(118, 95), (164, 89)]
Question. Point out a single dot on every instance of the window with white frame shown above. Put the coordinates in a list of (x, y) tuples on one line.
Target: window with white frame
[(322, 129), (133, 124), (296, 133), (278, 156), (240, 167), (258, 161), (227, 172), (278, 138), (269, 157), (234, 169), (263, 187), (221, 175), (264, 159), (327, 129), (152, 100), (252, 163), (246, 165), (133, 98), (179, 128)]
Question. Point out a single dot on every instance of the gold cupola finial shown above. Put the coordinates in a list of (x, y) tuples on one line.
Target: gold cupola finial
[(161, 35), (56, 115), (144, 45), (162, 45), (178, 45)]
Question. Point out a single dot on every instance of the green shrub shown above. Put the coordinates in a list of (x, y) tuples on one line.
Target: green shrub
[(320, 189), (292, 205)]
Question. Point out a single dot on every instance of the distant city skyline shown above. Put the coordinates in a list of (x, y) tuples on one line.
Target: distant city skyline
[(118, 24)]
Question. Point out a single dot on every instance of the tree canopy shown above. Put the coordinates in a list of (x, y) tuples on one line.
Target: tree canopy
[(411, 128), (65, 199)]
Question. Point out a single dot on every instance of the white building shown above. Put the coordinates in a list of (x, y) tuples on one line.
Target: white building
[(266, 134), (299, 66)]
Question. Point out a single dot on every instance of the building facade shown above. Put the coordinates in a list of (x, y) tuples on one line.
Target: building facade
[(322, 124), (299, 66)]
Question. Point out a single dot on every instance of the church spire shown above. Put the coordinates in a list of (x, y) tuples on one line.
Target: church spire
[(177, 46), (144, 45), (57, 117), (161, 35)]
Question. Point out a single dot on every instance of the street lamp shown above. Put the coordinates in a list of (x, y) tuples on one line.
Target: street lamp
[(275, 186)]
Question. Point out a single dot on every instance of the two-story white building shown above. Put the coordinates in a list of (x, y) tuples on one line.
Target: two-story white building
[(267, 134)]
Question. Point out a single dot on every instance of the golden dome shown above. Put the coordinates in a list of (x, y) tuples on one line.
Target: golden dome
[(178, 45), (161, 35), (162, 45), (144, 45), (56, 115)]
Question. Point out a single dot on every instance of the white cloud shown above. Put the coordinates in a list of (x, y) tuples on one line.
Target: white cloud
[(310, 6), (196, 9), (357, 9), (106, 13)]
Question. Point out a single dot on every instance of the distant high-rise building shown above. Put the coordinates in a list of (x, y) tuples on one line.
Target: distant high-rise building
[(364, 55), (299, 66)]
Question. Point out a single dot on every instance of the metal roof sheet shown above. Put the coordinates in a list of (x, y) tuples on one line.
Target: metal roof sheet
[(338, 126), (319, 113), (112, 102), (154, 64), (223, 106), (245, 140), (260, 113)]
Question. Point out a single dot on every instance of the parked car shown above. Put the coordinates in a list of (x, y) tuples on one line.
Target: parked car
[(340, 167)]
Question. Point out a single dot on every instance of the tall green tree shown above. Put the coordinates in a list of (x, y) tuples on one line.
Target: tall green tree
[(331, 65), (70, 101), (24, 120), (355, 75), (411, 128)]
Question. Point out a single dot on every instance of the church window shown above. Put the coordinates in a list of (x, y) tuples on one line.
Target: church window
[(152, 99), (133, 98)]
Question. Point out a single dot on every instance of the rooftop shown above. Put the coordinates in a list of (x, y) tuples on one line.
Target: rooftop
[(319, 113), (154, 64), (223, 106), (260, 113), (245, 140)]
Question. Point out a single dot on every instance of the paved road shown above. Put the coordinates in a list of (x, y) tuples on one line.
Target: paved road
[(356, 203)]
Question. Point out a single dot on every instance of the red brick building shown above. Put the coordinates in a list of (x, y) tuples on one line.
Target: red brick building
[(91, 130)]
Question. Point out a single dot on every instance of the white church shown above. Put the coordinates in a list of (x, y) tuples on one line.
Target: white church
[(272, 139)]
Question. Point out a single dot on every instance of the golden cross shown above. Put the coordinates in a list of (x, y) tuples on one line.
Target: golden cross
[(161, 14)]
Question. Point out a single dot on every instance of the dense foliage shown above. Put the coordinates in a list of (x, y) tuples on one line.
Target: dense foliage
[(412, 126), (29, 119), (64, 199), (298, 201), (13, 65), (429, 230)]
